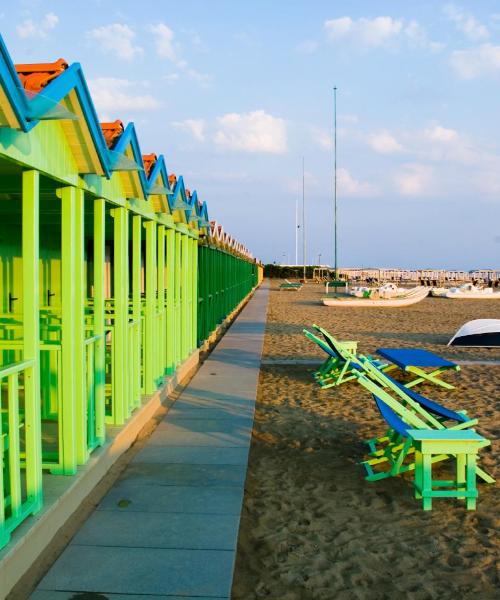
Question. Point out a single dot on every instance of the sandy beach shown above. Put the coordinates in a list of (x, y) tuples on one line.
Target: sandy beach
[(311, 526)]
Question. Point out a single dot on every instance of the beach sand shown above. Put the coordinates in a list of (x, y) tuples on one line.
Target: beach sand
[(311, 526)]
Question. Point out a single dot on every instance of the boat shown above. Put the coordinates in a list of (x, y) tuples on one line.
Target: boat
[(470, 291), (405, 297), (439, 292), (479, 333), (387, 290)]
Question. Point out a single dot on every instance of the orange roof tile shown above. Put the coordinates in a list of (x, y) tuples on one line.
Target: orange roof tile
[(149, 161), (35, 77), (172, 180), (112, 131), (188, 193)]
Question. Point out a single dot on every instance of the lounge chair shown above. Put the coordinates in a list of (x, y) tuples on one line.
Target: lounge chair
[(404, 410), (337, 367), (341, 364), (410, 360), (415, 360), (290, 286)]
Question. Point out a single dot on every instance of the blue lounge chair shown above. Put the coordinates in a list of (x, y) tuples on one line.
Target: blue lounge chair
[(415, 360)]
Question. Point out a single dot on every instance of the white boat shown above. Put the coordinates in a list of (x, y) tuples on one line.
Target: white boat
[(387, 290), (470, 291), (479, 333), (404, 298), (439, 292)]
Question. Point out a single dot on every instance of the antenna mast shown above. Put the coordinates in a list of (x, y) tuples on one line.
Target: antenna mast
[(335, 179), (304, 217), (296, 230)]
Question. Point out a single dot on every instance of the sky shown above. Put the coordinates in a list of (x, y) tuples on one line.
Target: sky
[(237, 94)]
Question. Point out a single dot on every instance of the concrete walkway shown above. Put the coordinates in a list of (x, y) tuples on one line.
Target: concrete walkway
[(169, 527)]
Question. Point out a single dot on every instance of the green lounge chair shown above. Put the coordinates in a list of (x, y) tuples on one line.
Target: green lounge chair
[(403, 410), (290, 286), (339, 367), (410, 360), (336, 369)]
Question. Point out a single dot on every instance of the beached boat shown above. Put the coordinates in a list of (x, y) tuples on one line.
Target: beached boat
[(470, 291), (404, 298), (387, 290), (479, 333), (439, 292)]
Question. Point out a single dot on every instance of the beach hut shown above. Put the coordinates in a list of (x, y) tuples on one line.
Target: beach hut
[(100, 277)]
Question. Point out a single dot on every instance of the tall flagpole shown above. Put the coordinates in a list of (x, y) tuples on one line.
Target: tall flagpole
[(296, 230), (304, 217), (335, 178)]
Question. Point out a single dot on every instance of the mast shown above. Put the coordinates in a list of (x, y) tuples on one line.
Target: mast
[(296, 230), (304, 218), (335, 181)]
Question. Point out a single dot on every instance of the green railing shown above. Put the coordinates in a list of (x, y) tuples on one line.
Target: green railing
[(18, 498), (60, 424), (224, 280)]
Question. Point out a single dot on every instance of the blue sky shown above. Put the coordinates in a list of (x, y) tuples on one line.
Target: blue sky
[(236, 93)]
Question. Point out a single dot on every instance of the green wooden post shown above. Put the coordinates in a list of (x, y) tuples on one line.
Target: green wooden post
[(31, 322), (170, 234), (14, 447), (185, 296), (149, 320), (99, 322), (177, 318), (161, 326), (200, 308), (67, 434), (194, 294), (79, 332), (120, 334), (213, 291), (136, 308)]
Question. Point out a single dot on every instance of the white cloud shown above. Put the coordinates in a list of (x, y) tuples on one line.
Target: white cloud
[(167, 48), (351, 187), (116, 39), (416, 36), (441, 134), (195, 127), (370, 32), (307, 47), (171, 77), (111, 94), (202, 79), (379, 31), (487, 181), (255, 131), (384, 143), (322, 139), (442, 144), (466, 23), (194, 38), (414, 179), (29, 29), (164, 43), (475, 62)]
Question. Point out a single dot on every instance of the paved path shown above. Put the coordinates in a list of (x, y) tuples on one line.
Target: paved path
[(169, 526)]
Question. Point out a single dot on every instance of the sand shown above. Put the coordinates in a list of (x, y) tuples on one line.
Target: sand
[(311, 526)]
